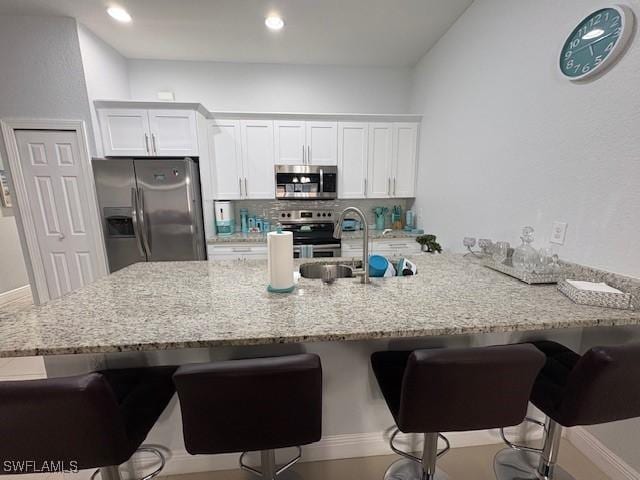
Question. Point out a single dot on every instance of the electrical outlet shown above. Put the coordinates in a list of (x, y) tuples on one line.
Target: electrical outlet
[(558, 233)]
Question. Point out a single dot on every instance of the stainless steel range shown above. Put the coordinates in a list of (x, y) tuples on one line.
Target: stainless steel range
[(312, 232)]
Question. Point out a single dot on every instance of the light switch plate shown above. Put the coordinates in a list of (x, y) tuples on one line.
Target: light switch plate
[(558, 233)]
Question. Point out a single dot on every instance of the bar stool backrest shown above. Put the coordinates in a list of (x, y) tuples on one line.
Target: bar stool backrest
[(460, 389), (604, 386)]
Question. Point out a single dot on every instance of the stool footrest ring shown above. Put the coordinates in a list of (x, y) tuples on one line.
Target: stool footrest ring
[(524, 448), (283, 468), (143, 448), (413, 457)]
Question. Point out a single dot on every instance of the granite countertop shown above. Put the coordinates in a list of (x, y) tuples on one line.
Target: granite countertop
[(165, 305), (261, 237)]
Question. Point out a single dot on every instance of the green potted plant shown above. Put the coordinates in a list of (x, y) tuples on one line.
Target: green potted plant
[(428, 243)]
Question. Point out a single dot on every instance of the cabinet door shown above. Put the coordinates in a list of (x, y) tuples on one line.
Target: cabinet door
[(322, 140), (380, 157), (173, 133), (125, 132), (290, 143), (257, 159), (352, 159), (226, 159), (403, 181)]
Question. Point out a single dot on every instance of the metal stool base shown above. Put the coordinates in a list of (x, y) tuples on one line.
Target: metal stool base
[(405, 469), (510, 464), (286, 475)]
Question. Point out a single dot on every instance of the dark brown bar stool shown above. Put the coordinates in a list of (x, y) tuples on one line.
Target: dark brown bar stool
[(97, 420), (601, 386), (452, 389), (258, 404)]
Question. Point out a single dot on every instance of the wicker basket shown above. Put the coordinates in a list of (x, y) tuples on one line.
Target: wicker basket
[(596, 299)]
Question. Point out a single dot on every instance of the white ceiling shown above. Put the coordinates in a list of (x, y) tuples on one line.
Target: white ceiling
[(329, 32)]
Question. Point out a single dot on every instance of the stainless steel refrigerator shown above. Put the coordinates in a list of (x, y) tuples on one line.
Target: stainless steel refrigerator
[(151, 209)]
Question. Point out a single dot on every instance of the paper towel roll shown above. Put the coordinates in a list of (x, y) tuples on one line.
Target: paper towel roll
[(280, 248)]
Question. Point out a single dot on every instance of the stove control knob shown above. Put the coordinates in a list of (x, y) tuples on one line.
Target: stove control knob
[(289, 215), (318, 214), (329, 214), (283, 215)]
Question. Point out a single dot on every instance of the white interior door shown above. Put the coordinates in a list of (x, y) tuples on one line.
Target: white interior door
[(125, 132), (352, 159), (173, 133), (257, 159), (61, 205), (226, 156), (290, 143), (405, 136), (380, 157), (322, 138)]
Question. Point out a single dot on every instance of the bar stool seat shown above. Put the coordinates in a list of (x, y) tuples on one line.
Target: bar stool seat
[(601, 386), (258, 404), (452, 389), (97, 420)]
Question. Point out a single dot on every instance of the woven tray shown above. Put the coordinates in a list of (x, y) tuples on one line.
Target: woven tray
[(596, 299), (526, 277)]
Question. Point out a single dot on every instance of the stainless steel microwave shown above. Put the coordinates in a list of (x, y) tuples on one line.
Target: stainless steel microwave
[(310, 182)]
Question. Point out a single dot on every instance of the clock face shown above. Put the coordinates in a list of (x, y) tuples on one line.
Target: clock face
[(595, 42)]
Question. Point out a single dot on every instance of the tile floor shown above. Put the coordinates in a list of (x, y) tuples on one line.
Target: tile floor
[(471, 463)]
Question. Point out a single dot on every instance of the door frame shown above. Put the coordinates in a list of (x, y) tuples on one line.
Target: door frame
[(31, 249)]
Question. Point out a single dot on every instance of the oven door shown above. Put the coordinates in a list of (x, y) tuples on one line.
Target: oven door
[(299, 182), (319, 251)]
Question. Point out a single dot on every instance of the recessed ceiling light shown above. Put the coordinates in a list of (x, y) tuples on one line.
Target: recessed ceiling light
[(274, 22), (119, 14)]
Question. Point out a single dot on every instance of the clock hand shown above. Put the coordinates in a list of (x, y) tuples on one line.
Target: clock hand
[(592, 43)]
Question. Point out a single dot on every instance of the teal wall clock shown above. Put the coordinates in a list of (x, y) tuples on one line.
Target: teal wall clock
[(596, 42)]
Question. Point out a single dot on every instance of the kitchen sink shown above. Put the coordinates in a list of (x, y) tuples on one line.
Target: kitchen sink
[(325, 271)]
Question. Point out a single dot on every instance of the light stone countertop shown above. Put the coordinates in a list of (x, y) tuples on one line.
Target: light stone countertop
[(166, 305), (261, 238)]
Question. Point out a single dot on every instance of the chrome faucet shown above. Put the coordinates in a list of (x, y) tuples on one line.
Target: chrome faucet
[(337, 233)]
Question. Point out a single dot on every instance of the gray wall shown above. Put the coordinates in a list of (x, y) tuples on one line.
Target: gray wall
[(41, 77), (506, 141), (274, 87)]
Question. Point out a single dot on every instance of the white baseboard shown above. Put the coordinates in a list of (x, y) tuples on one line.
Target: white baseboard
[(613, 466), (15, 294), (331, 447)]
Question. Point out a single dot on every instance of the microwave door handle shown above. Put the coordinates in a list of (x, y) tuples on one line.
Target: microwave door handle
[(134, 221), (143, 222)]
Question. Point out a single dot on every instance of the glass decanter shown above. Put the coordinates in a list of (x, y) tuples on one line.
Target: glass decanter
[(525, 257)]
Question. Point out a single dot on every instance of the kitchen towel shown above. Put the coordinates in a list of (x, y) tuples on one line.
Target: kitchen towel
[(280, 261)]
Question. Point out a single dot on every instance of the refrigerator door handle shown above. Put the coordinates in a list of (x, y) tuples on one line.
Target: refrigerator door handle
[(143, 223), (134, 220)]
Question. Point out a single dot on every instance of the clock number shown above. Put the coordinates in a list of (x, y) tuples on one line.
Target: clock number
[(617, 32), (575, 43), (568, 54), (609, 47), (596, 19), (586, 68), (615, 21), (598, 60), (576, 68), (570, 64)]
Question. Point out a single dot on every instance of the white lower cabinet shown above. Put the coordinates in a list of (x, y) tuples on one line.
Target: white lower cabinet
[(237, 251), (394, 247)]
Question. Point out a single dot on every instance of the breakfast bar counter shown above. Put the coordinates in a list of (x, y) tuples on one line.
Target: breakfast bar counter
[(171, 305)]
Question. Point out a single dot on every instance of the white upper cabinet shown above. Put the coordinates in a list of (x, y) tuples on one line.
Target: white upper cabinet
[(148, 133), (380, 155), (353, 145), (322, 142), (377, 160), (125, 132), (257, 159), (290, 142), (306, 143), (173, 133), (403, 169), (225, 155)]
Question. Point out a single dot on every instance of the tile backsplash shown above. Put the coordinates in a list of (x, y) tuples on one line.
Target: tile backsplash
[(271, 208)]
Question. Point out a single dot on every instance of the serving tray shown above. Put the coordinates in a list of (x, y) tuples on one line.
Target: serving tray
[(526, 277)]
